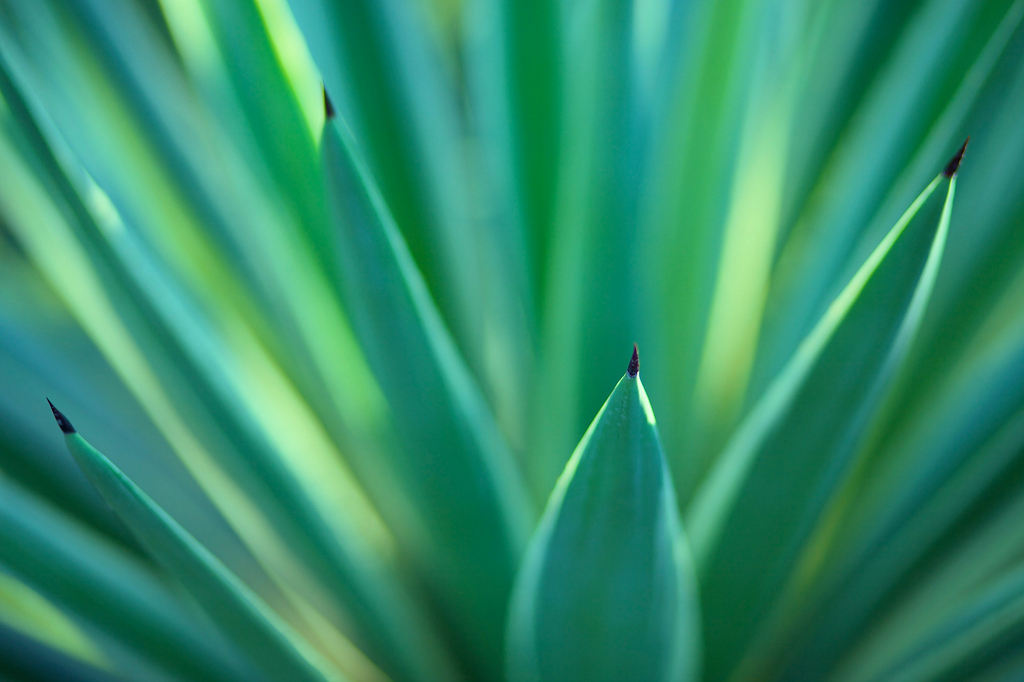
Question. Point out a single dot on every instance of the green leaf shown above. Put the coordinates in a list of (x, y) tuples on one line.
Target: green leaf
[(514, 84), (25, 610), (587, 278), (456, 466), (390, 82), (167, 331), (512, 309), (723, 49), (751, 518), (241, 614), (246, 37), (957, 617), (607, 590), (943, 463), (925, 85), (105, 585), (25, 658)]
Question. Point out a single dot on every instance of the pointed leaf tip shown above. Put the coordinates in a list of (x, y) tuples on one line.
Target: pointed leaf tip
[(328, 106), (954, 164), (606, 590), (62, 421), (634, 364)]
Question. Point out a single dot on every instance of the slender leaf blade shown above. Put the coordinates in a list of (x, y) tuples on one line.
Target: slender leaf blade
[(456, 466), (391, 84), (959, 615), (242, 615), (945, 461), (25, 658), (863, 164), (104, 584), (590, 301), (752, 516)]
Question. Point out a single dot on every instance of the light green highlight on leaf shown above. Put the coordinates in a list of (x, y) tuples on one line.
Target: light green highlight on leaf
[(787, 458), (23, 608)]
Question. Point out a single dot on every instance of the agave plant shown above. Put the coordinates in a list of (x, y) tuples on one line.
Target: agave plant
[(335, 286)]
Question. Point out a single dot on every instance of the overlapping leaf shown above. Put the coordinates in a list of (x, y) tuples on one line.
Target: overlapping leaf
[(243, 616), (356, 394), (456, 468), (752, 517)]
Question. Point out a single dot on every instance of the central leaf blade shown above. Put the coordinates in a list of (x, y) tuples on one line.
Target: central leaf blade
[(607, 591)]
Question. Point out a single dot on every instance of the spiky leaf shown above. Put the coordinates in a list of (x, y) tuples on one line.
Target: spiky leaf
[(752, 517), (607, 591), (241, 614)]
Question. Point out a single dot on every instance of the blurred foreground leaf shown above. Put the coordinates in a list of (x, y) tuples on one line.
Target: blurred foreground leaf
[(243, 616)]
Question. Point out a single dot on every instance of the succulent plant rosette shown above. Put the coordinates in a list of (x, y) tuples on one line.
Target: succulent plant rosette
[(343, 308)]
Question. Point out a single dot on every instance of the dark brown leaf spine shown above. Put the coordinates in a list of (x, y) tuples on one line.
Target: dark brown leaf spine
[(328, 106), (62, 421), (634, 364), (954, 164)]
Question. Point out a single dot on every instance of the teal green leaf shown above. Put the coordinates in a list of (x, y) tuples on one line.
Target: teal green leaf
[(22, 657), (515, 62), (949, 458), (607, 589), (589, 301), (456, 467), (724, 49), (269, 102), (751, 518), (393, 86), (180, 341), (959, 617), (864, 174), (106, 585), (24, 610), (390, 81), (241, 614)]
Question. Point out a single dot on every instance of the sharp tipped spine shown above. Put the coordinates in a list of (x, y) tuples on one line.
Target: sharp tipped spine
[(328, 106), (954, 164), (634, 364), (62, 421)]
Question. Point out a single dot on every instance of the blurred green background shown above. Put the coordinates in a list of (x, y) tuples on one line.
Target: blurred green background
[(366, 435)]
